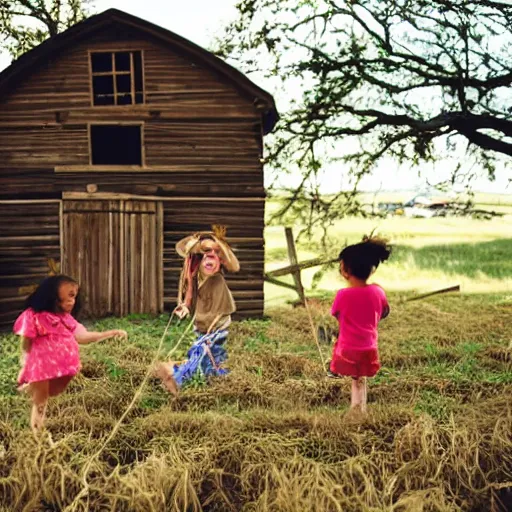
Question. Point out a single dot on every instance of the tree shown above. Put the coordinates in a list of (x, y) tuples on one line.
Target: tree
[(26, 23), (406, 79)]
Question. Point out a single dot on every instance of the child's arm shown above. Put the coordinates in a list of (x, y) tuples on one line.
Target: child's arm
[(84, 337), (336, 305), (385, 304)]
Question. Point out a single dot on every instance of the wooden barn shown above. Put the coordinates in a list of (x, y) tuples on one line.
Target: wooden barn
[(117, 138)]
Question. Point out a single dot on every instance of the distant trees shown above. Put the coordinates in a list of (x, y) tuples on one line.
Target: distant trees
[(26, 23)]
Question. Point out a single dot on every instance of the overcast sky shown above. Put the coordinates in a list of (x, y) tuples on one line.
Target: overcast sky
[(201, 20)]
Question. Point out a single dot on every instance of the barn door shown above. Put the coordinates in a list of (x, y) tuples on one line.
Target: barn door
[(114, 250)]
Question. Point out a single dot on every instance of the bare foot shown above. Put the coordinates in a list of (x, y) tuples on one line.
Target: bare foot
[(164, 372)]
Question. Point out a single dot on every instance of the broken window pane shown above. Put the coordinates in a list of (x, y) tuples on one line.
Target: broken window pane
[(124, 99), (116, 145), (103, 76), (104, 99)]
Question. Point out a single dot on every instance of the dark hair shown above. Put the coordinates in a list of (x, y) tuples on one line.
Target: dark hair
[(46, 296), (361, 259)]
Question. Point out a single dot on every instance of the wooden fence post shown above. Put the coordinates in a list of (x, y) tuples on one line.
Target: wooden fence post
[(292, 255)]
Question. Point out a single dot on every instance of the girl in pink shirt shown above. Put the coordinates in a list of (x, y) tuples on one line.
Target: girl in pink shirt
[(359, 308), (49, 341)]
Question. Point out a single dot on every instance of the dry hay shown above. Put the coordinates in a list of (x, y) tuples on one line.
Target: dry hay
[(286, 461), (272, 436)]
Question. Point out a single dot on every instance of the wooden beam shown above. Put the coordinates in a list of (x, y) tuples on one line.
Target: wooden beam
[(132, 78), (113, 196), (300, 266), (292, 255), (114, 81), (271, 280), (146, 168), (160, 256), (29, 201), (437, 292)]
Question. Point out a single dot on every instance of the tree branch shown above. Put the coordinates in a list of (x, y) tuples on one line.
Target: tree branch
[(454, 119), (485, 141)]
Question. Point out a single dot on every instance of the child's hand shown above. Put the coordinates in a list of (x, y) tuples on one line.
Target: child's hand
[(119, 334), (181, 311)]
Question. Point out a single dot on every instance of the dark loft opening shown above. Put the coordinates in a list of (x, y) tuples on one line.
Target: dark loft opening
[(116, 145), (117, 78)]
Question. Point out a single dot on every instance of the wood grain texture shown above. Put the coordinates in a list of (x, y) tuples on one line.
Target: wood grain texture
[(29, 236), (244, 223), (202, 151), (112, 249)]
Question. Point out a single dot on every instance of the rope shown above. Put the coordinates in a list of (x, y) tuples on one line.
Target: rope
[(171, 352), (314, 330), (87, 467)]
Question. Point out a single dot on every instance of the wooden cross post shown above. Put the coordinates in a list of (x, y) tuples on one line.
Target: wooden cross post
[(292, 255), (294, 268)]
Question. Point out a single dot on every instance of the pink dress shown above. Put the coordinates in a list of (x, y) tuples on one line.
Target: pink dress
[(54, 351), (358, 311)]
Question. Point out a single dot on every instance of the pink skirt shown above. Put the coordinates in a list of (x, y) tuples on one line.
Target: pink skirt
[(356, 363), (50, 359)]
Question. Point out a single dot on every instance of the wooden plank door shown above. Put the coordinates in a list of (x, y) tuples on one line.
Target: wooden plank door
[(114, 249), (141, 257)]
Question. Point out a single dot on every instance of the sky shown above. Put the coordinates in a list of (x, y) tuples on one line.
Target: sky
[(201, 21)]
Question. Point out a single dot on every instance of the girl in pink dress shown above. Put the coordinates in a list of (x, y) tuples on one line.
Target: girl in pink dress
[(49, 342), (359, 308)]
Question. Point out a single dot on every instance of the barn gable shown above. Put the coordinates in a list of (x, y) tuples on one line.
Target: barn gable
[(114, 24)]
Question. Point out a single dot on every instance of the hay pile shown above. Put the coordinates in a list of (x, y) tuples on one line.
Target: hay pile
[(272, 436)]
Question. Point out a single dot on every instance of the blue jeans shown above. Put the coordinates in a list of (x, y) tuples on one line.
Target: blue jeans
[(199, 360)]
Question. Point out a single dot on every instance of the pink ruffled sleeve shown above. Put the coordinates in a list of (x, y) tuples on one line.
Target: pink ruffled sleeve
[(73, 325), (25, 324), (79, 328)]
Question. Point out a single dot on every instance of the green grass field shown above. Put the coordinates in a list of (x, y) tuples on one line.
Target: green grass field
[(273, 435), (429, 254)]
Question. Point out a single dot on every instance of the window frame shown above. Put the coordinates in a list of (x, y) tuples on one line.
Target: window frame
[(118, 123), (114, 74)]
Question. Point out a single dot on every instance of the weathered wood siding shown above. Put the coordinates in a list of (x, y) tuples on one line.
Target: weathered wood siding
[(193, 120), (202, 139), (44, 183), (29, 236), (244, 222)]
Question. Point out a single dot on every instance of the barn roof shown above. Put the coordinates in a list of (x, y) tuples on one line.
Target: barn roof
[(26, 63)]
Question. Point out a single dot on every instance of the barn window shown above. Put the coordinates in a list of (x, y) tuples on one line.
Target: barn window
[(117, 78), (116, 144)]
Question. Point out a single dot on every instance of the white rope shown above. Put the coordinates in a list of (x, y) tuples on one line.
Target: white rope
[(314, 330), (87, 467)]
